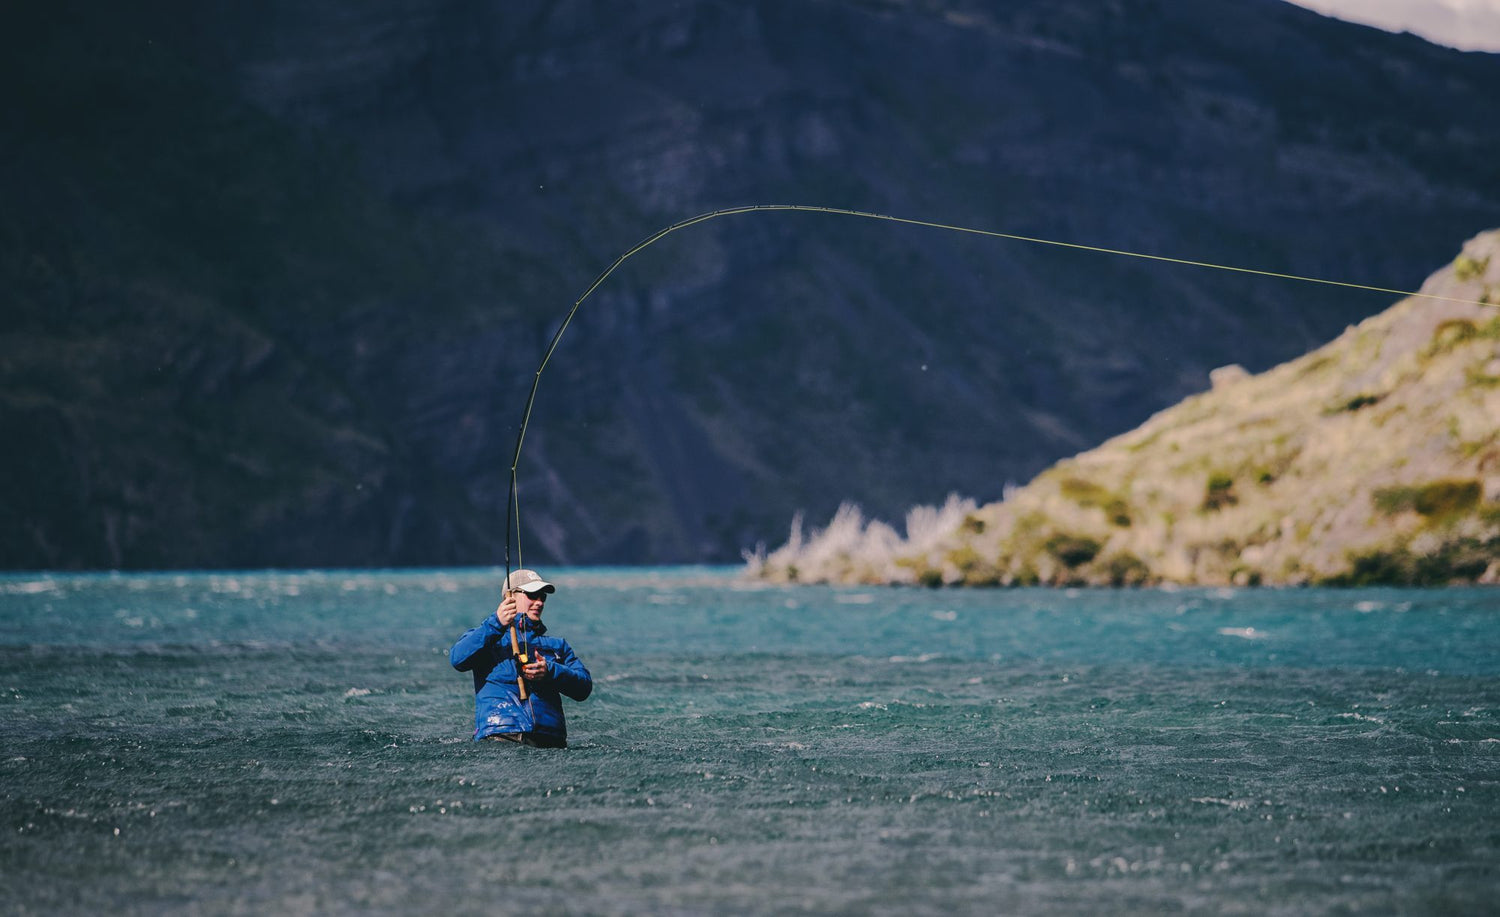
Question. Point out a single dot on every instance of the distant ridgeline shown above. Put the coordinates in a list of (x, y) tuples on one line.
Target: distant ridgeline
[(1373, 459)]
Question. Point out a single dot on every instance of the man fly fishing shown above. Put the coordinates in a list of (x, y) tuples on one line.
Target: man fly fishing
[(520, 671), (520, 674)]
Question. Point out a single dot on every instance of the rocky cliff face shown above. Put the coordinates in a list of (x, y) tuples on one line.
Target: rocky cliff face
[(278, 276), (1373, 459)]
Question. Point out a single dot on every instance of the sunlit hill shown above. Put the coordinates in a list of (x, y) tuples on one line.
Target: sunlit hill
[(1373, 459)]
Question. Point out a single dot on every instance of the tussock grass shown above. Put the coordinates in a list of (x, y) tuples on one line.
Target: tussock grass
[(853, 549)]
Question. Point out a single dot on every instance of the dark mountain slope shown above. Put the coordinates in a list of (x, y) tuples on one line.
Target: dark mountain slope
[(281, 274)]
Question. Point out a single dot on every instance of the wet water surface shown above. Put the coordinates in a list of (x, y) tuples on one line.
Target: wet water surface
[(297, 743)]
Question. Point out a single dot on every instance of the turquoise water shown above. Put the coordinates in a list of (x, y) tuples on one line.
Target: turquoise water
[(296, 743)]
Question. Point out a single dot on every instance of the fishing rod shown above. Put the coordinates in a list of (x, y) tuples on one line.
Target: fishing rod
[(521, 657), (512, 508), (520, 649)]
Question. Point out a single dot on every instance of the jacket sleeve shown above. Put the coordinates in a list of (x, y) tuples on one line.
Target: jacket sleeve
[(476, 646), (569, 675)]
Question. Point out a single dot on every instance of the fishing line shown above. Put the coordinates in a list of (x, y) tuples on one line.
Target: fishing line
[(512, 509)]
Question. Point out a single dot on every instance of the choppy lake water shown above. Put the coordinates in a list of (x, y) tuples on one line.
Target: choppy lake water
[(279, 743)]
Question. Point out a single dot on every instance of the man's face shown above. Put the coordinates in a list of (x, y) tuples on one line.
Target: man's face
[(531, 604)]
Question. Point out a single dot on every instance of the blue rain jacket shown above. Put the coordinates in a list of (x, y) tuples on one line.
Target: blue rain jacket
[(486, 652)]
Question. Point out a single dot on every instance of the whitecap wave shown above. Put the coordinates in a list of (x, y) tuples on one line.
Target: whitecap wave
[(1246, 633)]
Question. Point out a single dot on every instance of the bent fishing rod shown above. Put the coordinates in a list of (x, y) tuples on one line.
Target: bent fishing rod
[(512, 509)]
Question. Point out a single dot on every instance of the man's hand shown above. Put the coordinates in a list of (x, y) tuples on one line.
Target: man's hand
[(536, 669), (506, 613)]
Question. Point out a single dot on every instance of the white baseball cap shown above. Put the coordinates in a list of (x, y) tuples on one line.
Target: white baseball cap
[(528, 581)]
